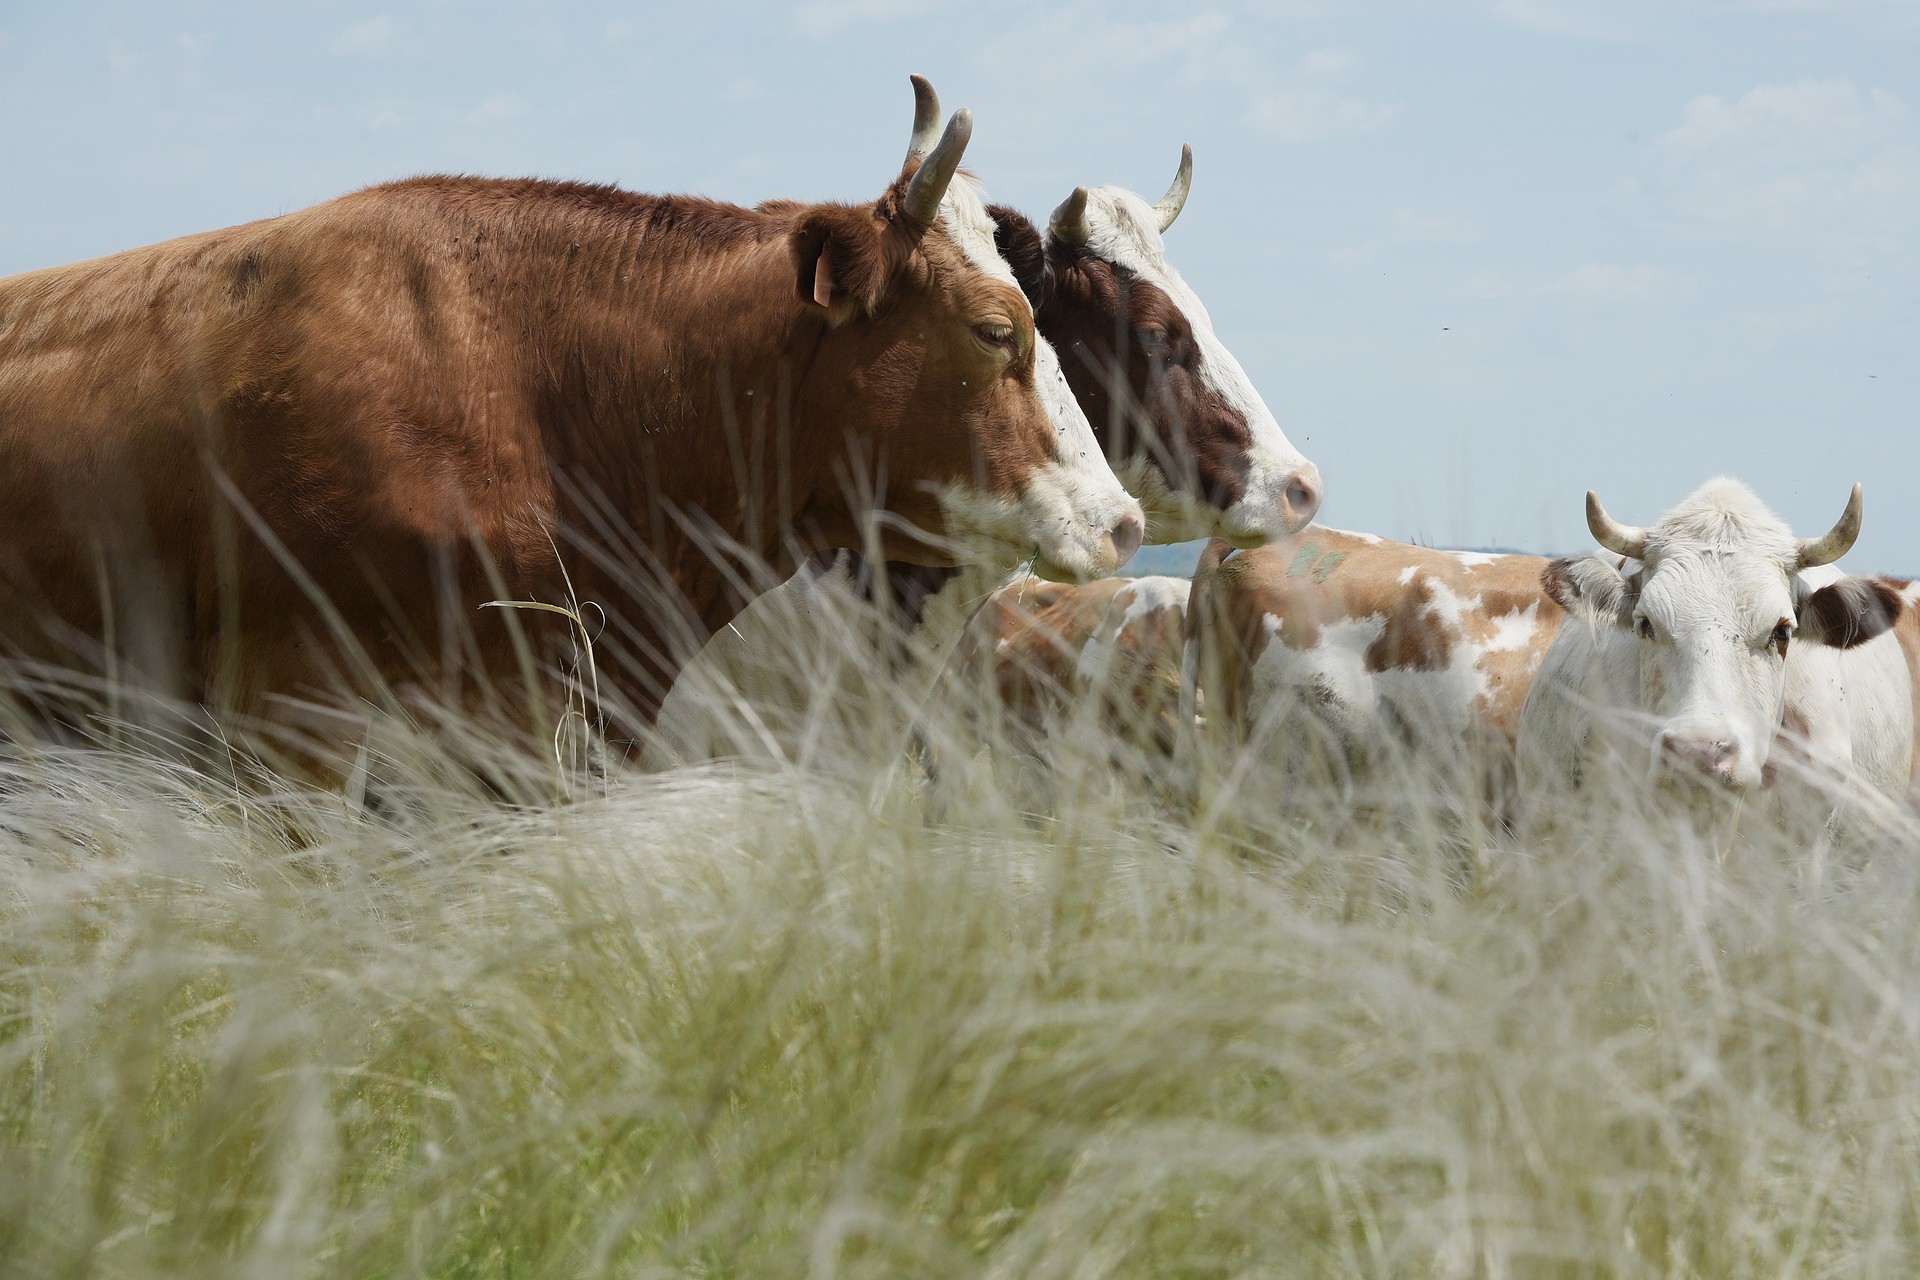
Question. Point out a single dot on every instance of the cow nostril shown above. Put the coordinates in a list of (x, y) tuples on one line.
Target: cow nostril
[(1302, 495), (1126, 537), (1713, 757)]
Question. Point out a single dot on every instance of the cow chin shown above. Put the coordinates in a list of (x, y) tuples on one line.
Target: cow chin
[(1070, 530)]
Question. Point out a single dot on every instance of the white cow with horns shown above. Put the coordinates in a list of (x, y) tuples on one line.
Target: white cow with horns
[(1711, 646)]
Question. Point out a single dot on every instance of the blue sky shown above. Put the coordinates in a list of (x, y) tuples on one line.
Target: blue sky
[(1479, 257)]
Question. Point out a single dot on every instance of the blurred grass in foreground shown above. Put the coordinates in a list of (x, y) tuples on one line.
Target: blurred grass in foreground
[(1048, 1014)]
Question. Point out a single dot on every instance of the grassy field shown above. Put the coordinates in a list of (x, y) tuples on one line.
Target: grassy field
[(1033, 1017)]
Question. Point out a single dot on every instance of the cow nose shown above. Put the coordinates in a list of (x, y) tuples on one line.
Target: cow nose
[(1708, 757), (1126, 537), (1302, 495)]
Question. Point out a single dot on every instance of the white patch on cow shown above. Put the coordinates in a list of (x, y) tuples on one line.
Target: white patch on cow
[(1071, 504), (1407, 574), (1124, 230), (1473, 559), (1513, 631), (1154, 592)]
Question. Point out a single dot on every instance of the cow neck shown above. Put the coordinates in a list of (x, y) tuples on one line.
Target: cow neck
[(674, 350)]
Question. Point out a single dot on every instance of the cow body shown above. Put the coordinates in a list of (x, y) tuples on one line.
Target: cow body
[(257, 459), (1172, 410), (1366, 645), (1100, 658), (1706, 653)]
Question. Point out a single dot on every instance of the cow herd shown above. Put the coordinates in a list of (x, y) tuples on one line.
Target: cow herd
[(252, 468)]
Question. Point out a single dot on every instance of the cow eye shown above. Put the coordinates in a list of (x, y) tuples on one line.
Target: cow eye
[(1781, 635), (1156, 341), (997, 336), (1644, 626)]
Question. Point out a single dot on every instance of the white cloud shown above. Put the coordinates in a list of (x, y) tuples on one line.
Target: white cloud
[(1816, 158), (369, 38)]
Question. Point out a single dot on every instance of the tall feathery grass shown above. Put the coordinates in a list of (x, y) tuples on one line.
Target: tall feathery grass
[(1016, 1008)]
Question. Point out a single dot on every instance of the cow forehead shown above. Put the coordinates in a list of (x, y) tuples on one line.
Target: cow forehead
[(964, 217), (1123, 229), (1750, 589)]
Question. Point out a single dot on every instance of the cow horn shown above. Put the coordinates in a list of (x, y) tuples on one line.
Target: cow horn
[(1837, 541), (929, 186), (1621, 539), (1176, 197), (926, 119), (1069, 222)]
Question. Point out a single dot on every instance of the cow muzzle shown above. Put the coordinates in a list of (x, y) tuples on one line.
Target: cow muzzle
[(1080, 560), (1280, 502), (1072, 525), (1699, 758)]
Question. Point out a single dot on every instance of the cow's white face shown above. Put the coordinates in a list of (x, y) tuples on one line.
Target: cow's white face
[(1712, 634), (1713, 613), (1074, 517)]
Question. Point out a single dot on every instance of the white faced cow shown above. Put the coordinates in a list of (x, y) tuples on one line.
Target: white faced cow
[(1709, 646)]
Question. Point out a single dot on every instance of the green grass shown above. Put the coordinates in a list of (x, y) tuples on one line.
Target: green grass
[(1028, 1020)]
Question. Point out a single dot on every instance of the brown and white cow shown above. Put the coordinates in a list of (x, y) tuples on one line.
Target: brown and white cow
[(1704, 649), (432, 393), (1103, 656), (1173, 411), (1358, 645)]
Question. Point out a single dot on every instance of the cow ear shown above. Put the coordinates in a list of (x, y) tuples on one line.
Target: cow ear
[(1019, 243), (1588, 584), (838, 259), (1846, 613)]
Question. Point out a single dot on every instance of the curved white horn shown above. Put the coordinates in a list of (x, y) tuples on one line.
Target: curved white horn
[(1176, 197), (929, 186), (1068, 224), (1621, 539), (926, 119), (1837, 541)]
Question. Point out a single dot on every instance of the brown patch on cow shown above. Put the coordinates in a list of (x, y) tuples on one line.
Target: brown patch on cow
[(1557, 585), (1413, 637), (1852, 611)]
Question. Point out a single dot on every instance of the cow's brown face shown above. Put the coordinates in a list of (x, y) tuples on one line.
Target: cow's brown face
[(930, 371), (1176, 414), (1131, 358)]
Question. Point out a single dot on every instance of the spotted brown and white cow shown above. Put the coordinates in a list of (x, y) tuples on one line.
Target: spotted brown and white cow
[(432, 393), (1351, 646), (1707, 648), (1102, 657)]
